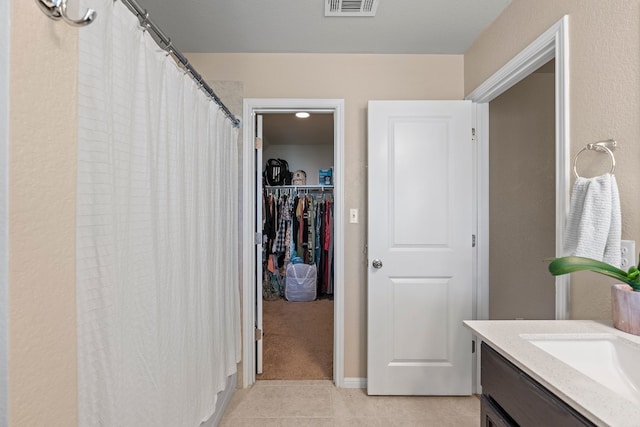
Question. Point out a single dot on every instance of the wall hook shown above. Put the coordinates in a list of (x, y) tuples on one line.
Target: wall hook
[(57, 9)]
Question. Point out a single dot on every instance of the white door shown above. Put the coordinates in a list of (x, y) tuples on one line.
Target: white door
[(420, 247), (259, 254)]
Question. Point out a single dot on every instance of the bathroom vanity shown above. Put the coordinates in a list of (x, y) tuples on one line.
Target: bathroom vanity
[(557, 373), (510, 397)]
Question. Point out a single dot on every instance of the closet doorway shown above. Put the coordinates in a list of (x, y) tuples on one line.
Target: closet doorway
[(295, 260), (293, 307)]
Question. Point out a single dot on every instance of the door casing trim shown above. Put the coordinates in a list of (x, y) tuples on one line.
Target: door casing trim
[(553, 43), (251, 107), (5, 59)]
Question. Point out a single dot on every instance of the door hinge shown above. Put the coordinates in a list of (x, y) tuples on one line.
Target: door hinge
[(258, 143), (258, 238), (258, 334), (473, 134), (473, 240), (473, 346)]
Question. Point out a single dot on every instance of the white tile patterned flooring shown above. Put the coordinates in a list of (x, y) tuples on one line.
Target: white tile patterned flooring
[(320, 404)]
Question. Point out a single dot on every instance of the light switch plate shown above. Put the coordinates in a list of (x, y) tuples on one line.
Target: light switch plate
[(353, 216)]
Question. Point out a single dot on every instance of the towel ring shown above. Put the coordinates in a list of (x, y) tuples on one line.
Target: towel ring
[(602, 146)]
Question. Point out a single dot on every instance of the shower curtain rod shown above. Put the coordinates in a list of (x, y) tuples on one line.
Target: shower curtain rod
[(165, 43)]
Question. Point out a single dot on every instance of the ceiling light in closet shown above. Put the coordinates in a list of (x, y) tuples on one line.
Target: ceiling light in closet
[(302, 114)]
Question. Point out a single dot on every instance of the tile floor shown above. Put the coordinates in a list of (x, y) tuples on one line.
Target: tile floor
[(319, 403)]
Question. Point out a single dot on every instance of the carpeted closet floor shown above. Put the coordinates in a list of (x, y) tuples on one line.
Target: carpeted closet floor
[(297, 340)]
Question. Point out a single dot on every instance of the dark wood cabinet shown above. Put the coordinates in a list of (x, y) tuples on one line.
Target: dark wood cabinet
[(510, 397), (492, 415)]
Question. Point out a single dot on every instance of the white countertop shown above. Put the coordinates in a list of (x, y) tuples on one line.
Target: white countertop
[(597, 403)]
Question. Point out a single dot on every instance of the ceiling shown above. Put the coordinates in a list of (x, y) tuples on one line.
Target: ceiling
[(287, 129), (299, 26)]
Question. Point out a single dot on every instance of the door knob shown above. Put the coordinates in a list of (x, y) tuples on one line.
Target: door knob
[(377, 263)]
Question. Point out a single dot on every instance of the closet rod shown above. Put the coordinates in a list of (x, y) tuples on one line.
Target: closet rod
[(165, 43), (300, 187)]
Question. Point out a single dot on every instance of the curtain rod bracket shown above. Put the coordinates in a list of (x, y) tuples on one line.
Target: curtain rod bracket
[(57, 9)]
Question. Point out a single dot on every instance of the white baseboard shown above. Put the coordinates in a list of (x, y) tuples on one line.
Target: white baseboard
[(224, 397), (354, 383)]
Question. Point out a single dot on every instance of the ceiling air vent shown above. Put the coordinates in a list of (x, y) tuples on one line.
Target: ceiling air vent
[(350, 7)]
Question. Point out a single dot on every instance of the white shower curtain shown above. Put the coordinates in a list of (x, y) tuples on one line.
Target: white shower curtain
[(157, 282)]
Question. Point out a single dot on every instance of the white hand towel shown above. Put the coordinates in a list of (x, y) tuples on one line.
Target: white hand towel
[(594, 225)]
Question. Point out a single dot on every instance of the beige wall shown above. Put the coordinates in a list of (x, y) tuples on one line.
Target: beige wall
[(42, 147), (604, 46), (522, 200), (356, 79)]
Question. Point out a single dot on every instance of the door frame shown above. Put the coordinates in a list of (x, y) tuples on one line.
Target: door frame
[(5, 25), (553, 43), (251, 107)]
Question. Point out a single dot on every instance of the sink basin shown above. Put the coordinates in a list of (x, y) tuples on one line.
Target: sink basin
[(607, 359)]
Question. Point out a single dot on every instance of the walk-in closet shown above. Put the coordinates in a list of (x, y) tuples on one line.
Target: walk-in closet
[(297, 263)]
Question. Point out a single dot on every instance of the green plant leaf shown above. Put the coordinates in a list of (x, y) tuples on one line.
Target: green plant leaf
[(571, 264)]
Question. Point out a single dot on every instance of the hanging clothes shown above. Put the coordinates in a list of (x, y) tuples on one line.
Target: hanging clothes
[(297, 228), (326, 259), (269, 224)]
